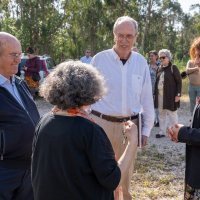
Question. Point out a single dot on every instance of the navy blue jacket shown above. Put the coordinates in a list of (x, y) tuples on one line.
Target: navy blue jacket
[(17, 126), (191, 136)]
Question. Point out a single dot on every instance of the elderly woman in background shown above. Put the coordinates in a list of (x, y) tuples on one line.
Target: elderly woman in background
[(72, 156), (167, 91), (193, 71), (190, 136), (32, 68)]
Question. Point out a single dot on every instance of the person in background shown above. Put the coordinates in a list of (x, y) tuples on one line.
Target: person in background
[(72, 155), (129, 91), (87, 58), (193, 71), (167, 91), (153, 66), (18, 119), (190, 136), (32, 68)]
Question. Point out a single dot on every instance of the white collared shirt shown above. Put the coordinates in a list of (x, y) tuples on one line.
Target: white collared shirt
[(129, 87), (11, 87)]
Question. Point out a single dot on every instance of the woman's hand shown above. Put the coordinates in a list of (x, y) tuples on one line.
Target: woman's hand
[(173, 132), (131, 132), (177, 99)]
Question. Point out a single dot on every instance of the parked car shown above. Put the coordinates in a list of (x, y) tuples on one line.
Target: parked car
[(47, 64)]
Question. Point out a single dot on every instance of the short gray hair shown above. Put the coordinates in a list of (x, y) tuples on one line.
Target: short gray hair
[(166, 52), (73, 84), (125, 19)]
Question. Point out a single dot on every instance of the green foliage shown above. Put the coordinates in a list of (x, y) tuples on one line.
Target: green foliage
[(65, 29)]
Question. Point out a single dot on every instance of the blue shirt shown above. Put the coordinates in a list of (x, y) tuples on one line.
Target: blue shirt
[(86, 59), (153, 76), (11, 87)]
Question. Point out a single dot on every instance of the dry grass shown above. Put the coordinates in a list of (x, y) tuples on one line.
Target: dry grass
[(158, 175), (159, 169), (185, 86)]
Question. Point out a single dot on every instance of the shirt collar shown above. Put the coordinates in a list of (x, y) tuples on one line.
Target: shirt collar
[(4, 80), (116, 57)]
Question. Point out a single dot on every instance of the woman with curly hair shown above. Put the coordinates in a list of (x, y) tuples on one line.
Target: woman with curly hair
[(193, 71), (72, 156)]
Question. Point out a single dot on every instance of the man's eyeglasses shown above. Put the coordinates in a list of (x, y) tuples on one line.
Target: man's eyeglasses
[(15, 55), (162, 57), (127, 37)]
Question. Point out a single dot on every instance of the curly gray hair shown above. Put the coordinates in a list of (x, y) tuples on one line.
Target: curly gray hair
[(166, 52), (73, 84)]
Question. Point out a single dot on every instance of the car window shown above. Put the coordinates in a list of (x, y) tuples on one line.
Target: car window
[(45, 63), (22, 63), (50, 63), (42, 65)]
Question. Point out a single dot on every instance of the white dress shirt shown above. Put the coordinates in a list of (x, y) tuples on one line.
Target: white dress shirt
[(129, 87)]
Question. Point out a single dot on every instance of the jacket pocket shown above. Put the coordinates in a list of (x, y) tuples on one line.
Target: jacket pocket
[(2, 144)]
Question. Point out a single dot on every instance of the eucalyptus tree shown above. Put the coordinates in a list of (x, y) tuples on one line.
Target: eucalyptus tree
[(6, 22), (83, 19), (148, 13), (158, 19)]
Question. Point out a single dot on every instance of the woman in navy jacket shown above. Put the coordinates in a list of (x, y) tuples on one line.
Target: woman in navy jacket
[(190, 136)]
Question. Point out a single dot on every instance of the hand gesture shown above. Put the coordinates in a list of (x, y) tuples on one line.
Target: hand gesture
[(130, 131), (177, 99), (173, 132)]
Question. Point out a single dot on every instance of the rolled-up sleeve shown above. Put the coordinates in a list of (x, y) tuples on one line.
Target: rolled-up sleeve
[(147, 104)]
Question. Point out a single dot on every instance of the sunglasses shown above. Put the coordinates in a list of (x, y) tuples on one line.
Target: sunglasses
[(163, 57)]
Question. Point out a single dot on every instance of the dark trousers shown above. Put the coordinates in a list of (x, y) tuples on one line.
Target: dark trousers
[(15, 184)]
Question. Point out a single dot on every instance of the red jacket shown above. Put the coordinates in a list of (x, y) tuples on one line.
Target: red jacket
[(33, 66)]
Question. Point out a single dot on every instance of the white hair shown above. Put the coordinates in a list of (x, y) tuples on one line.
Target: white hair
[(125, 19), (166, 52)]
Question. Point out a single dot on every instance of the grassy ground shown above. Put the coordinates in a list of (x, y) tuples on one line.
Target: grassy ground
[(158, 175), (185, 86), (159, 169)]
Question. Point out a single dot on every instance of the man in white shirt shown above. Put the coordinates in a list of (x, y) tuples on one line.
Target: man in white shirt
[(129, 90), (87, 58)]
